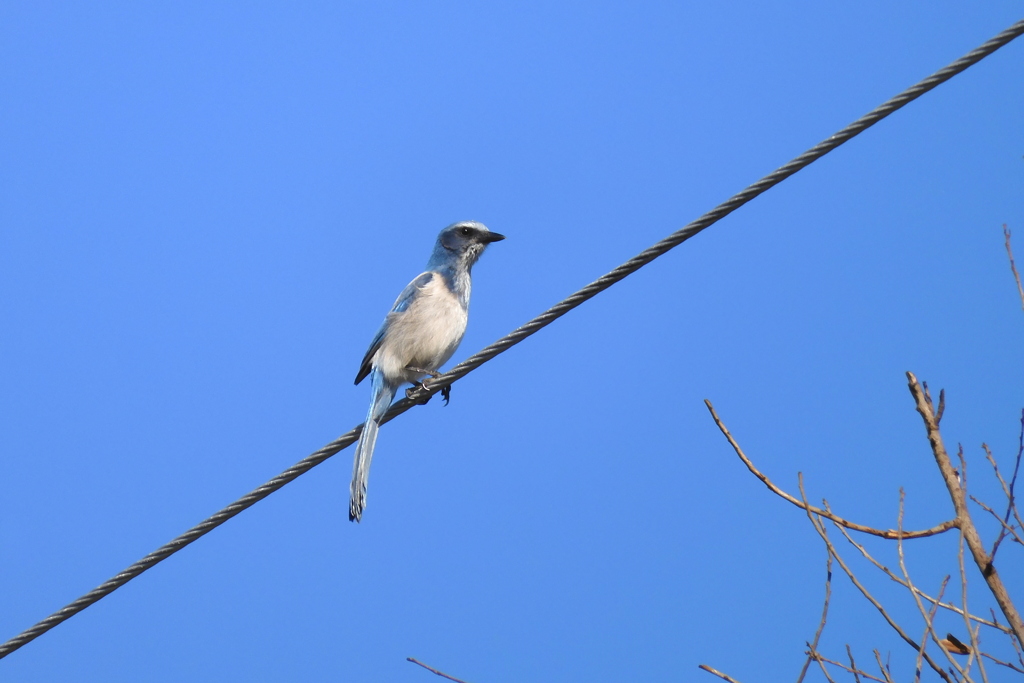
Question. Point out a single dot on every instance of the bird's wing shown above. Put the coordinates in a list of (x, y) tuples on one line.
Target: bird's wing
[(407, 296)]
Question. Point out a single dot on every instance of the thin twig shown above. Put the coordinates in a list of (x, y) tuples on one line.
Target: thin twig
[(1016, 646), (963, 578), (995, 469), (857, 673), (920, 654), (824, 615), (963, 462), (883, 533), (821, 664), (1002, 663), (926, 614), (1016, 470), (884, 668), (1013, 267), (718, 673), (975, 645), (819, 526), (853, 666), (945, 605), (433, 670), (1008, 491), (1008, 529)]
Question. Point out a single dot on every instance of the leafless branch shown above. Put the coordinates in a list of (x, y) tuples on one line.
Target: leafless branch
[(951, 643), (857, 673), (1002, 663), (824, 616), (1011, 503), (975, 645), (883, 533), (945, 605), (433, 670), (718, 673), (821, 664), (956, 481), (1016, 646), (819, 526), (853, 666), (995, 466), (884, 668), (926, 614), (1008, 491), (962, 472), (1007, 529), (1013, 267), (921, 649), (963, 517)]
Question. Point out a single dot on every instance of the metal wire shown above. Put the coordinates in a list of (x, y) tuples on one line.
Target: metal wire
[(519, 334)]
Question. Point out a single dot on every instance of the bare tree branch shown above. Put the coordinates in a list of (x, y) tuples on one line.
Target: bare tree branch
[(1007, 529), (1007, 488), (819, 526), (1013, 267), (945, 605), (821, 664), (956, 481), (975, 646), (718, 673), (884, 668), (1002, 663), (433, 670), (824, 615), (923, 645), (963, 516), (927, 615), (889, 533), (1016, 646), (1008, 491), (1011, 502), (853, 666), (857, 673)]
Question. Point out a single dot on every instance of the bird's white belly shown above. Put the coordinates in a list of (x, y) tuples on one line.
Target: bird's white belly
[(423, 336)]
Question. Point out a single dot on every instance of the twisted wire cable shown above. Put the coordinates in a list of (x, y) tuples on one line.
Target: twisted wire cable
[(546, 318)]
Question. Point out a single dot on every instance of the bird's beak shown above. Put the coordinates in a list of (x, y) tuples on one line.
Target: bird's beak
[(489, 237)]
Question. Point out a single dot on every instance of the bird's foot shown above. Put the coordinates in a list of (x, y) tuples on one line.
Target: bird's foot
[(445, 390), (413, 389)]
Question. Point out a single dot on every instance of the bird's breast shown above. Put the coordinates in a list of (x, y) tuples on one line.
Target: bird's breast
[(424, 335)]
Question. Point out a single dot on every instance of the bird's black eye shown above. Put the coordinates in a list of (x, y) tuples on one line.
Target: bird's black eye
[(465, 232)]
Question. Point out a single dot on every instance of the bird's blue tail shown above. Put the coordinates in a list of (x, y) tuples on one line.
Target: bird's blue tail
[(383, 394)]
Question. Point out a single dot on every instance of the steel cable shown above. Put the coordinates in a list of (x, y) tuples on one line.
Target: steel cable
[(516, 336)]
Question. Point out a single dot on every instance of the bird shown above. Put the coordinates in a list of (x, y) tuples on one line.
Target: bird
[(418, 336)]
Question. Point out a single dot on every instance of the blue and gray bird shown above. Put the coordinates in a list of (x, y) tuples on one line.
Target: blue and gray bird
[(418, 336)]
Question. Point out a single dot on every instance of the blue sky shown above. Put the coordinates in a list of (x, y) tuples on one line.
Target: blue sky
[(208, 208)]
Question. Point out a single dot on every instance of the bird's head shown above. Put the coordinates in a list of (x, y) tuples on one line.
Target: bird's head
[(462, 243)]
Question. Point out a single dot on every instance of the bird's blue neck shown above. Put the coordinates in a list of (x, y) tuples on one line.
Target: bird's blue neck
[(456, 277)]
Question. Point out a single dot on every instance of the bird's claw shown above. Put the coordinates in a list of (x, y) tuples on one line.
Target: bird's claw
[(413, 389), (446, 393)]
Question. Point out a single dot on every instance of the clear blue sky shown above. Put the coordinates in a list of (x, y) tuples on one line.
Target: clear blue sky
[(206, 210)]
